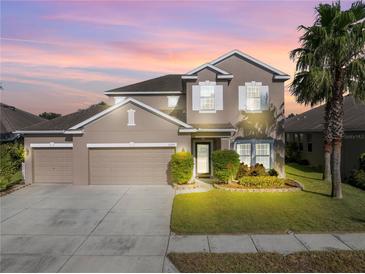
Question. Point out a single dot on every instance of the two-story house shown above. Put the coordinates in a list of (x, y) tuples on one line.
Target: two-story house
[(233, 102)]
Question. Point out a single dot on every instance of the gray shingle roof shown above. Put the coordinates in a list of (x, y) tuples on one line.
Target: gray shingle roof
[(12, 118), (69, 120), (312, 120), (169, 82)]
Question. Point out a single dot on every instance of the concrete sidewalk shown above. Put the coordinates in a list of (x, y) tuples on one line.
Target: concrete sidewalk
[(281, 243)]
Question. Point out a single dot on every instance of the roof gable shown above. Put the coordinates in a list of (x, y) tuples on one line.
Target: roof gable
[(134, 101), (278, 74)]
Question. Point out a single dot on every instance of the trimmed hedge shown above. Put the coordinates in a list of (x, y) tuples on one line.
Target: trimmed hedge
[(262, 182), (225, 164), (181, 166)]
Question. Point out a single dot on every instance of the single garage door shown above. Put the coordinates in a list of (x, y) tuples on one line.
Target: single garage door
[(123, 166), (52, 165)]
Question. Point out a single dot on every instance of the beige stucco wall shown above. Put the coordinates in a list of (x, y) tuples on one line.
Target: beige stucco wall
[(268, 124), (160, 102), (113, 128)]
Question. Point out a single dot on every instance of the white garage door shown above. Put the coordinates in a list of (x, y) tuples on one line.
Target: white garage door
[(123, 166), (52, 165)]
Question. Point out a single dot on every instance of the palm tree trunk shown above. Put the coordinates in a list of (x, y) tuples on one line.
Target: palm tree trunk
[(336, 127), (336, 169), (327, 176)]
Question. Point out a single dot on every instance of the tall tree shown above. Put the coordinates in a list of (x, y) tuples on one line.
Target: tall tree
[(330, 63), (49, 115)]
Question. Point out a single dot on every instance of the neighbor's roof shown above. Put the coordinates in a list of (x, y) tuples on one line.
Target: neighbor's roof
[(312, 120), (12, 118), (170, 83), (69, 120)]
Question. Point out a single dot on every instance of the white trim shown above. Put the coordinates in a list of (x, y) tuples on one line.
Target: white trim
[(189, 77), (138, 103), (192, 130), (281, 77), (254, 60), (207, 65), (130, 144), (225, 76), (140, 92), (39, 132), (51, 145), (131, 121), (74, 132)]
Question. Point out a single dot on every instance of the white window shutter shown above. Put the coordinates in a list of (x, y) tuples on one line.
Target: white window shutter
[(218, 93), (195, 97), (264, 93), (242, 98)]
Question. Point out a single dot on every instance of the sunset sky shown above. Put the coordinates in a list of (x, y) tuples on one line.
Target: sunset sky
[(60, 56)]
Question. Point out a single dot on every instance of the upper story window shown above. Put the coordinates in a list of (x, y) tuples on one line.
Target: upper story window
[(253, 97), (131, 121), (207, 97), (172, 101)]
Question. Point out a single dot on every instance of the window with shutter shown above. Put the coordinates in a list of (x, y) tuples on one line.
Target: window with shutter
[(253, 97), (207, 98)]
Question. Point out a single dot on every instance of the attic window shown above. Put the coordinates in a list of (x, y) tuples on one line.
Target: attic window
[(131, 121)]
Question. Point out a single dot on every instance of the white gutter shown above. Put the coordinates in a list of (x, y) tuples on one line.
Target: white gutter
[(281, 77), (225, 76), (51, 144), (39, 131), (140, 92), (189, 77), (48, 132), (129, 145), (192, 130)]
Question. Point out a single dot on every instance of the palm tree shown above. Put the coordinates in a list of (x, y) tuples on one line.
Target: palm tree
[(330, 63)]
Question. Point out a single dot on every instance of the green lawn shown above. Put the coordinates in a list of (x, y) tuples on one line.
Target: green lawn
[(311, 210), (320, 261)]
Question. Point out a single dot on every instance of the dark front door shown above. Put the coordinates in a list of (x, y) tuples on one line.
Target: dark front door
[(203, 159)]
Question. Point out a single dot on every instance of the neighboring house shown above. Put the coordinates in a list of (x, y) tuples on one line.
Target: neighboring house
[(233, 102), (12, 119), (306, 130)]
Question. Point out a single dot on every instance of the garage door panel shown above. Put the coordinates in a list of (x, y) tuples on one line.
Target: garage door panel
[(129, 166), (53, 165)]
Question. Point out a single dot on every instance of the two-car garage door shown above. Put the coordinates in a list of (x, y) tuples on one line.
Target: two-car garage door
[(107, 166), (129, 165)]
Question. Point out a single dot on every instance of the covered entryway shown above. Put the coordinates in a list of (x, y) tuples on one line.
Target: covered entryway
[(52, 165), (129, 165)]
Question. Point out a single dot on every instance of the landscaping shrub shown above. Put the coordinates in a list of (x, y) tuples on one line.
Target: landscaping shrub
[(11, 158), (357, 179), (181, 166), (262, 182), (225, 164), (273, 172), (292, 152), (362, 161), (258, 170), (243, 170)]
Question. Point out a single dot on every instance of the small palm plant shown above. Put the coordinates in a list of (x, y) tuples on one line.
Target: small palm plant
[(331, 63)]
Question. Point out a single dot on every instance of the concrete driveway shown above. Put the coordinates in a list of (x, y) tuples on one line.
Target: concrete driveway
[(66, 228)]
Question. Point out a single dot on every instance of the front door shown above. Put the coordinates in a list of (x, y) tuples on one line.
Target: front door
[(203, 159)]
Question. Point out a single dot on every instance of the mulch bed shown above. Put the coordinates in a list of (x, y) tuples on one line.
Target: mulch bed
[(13, 188), (290, 186)]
